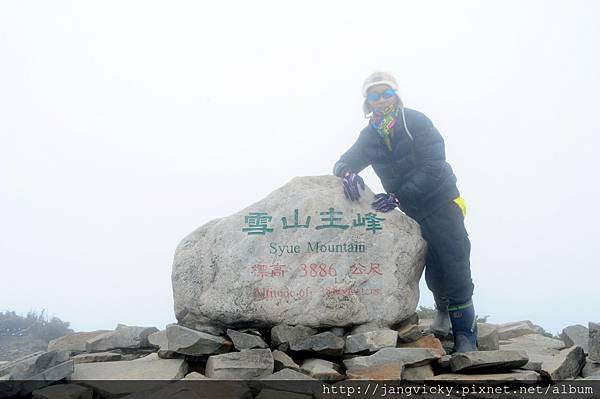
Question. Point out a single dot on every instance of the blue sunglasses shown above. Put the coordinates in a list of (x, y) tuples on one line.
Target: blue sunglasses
[(373, 96)]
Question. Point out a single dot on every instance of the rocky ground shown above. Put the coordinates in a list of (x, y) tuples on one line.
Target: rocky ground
[(93, 362), (12, 347)]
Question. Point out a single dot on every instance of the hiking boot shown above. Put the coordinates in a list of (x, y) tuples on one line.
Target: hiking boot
[(441, 324), (464, 327)]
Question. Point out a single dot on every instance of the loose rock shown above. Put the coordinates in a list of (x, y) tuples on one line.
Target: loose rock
[(487, 337), (247, 364), (590, 368), (381, 372), (191, 342), (489, 361), (594, 341), (246, 341), (74, 342), (371, 341), (322, 369), (150, 367), (567, 364), (325, 343), (284, 333), (123, 337), (283, 361), (409, 333), (407, 356), (517, 328), (96, 357), (516, 376), (428, 342), (576, 335), (534, 344)]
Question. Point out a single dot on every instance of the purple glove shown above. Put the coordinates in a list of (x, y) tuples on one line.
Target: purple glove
[(351, 182), (385, 202)]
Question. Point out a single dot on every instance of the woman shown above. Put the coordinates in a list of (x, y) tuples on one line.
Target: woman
[(407, 153)]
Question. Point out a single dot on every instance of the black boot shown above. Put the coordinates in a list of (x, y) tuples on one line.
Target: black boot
[(441, 324), (464, 327)]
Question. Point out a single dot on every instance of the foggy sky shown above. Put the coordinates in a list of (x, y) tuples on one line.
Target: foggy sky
[(126, 125)]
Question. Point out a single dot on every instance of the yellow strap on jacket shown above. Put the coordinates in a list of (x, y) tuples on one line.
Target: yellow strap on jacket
[(460, 201)]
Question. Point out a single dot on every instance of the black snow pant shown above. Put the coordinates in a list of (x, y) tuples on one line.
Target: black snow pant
[(447, 265)]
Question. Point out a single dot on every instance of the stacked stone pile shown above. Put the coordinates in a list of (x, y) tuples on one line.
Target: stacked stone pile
[(517, 353), (303, 286)]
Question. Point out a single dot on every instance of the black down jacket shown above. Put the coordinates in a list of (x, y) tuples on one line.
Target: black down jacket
[(415, 170)]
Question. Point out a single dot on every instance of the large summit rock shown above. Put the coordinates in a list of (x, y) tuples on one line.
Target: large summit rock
[(304, 255)]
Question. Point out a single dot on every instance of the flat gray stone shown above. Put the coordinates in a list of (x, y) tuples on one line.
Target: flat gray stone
[(534, 344), (123, 337), (487, 337), (590, 368), (284, 333), (355, 279), (74, 342), (283, 361), (44, 378), (408, 356), (28, 366), (594, 341), (566, 365), (206, 327), (371, 341), (489, 361), (96, 357), (325, 343), (515, 376), (247, 364), (367, 327), (323, 370), (576, 335), (246, 341), (191, 342), (150, 367), (159, 340), (379, 372), (419, 373), (517, 328), (63, 391)]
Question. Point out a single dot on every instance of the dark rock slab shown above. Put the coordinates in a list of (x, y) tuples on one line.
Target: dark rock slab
[(489, 361), (191, 342), (325, 343), (283, 333), (245, 341)]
